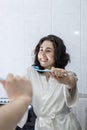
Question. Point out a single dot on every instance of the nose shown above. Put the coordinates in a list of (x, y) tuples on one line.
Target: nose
[(43, 52)]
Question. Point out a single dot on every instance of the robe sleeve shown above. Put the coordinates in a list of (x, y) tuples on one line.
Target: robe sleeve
[(23, 119), (71, 99)]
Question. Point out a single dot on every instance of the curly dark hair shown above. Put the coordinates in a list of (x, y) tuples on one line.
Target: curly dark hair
[(61, 58)]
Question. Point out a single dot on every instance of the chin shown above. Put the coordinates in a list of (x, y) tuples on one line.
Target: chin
[(43, 65)]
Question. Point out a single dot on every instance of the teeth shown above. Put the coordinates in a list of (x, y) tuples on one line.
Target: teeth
[(43, 60)]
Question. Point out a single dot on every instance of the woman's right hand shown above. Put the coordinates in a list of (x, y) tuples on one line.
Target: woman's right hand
[(63, 77)]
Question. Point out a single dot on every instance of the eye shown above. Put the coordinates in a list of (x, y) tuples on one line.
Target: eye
[(41, 49), (48, 50)]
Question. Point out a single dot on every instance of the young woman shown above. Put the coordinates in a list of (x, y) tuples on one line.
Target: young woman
[(55, 92)]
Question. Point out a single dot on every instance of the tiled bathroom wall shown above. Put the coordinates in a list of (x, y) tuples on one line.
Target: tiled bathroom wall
[(24, 22)]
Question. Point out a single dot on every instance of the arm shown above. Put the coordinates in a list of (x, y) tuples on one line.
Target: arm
[(11, 114), (19, 92), (69, 81)]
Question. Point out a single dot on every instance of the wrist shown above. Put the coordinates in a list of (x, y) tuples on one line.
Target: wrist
[(71, 81), (21, 99)]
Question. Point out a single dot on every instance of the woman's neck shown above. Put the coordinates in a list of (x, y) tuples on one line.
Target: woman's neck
[(47, 76)]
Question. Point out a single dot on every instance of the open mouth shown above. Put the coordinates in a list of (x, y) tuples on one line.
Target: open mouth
[(43, 60)]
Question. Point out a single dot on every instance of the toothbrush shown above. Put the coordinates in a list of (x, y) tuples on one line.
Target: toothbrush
[(40, 70), (45, 70), (48, 70)]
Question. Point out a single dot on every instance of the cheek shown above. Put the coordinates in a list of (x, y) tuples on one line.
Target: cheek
[(38, 56), (51, 57)]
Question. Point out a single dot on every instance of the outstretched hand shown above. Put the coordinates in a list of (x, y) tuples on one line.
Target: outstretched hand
[(63, 77), (17, 87)]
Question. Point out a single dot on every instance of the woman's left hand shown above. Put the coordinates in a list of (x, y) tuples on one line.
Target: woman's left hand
[(63, 77)]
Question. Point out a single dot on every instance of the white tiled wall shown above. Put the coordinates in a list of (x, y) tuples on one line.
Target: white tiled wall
[(81, 112), (83, 46), (24, 22)]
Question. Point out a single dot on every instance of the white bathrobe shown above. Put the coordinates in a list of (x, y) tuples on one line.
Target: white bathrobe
[(52, 102)]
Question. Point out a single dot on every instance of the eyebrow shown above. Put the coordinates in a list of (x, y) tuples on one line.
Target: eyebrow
[(48, 48)]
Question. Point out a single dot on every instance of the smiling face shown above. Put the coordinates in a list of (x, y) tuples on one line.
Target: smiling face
[(46, 54)]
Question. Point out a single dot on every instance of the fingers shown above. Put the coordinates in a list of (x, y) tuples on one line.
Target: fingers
[(10, 76), (59, 73), (2, 82), (17, 86), (20, 77), (8, 79)]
